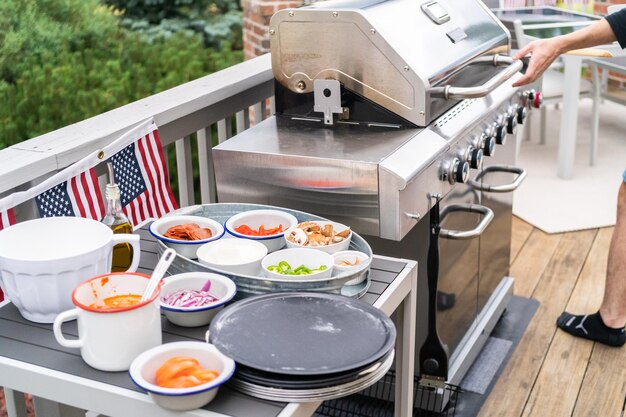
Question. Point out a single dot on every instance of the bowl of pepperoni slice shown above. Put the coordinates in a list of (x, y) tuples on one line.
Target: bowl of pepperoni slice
[(185, 234)]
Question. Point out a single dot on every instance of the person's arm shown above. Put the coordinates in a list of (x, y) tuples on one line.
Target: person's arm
[(545, 51)]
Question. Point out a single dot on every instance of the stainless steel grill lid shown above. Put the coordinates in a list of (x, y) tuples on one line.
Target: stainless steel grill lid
[(393, 53)]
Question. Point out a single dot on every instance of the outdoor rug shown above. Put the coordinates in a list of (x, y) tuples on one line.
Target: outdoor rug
[(475, 387), (589, 199)]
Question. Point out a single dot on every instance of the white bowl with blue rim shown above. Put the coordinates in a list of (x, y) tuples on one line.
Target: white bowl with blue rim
[(293, 259), (181, 310), (297, 237), (235, 256), (348, 261), (143, 373), (186, 248), (269, 219)]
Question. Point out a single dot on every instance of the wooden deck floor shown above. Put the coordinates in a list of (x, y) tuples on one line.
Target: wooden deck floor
[(552, 374)]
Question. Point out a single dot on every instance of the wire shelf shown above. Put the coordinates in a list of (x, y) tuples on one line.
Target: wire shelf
[(378, 401)]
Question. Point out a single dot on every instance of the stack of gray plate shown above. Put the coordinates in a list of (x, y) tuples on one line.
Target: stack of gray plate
[(299, 347)]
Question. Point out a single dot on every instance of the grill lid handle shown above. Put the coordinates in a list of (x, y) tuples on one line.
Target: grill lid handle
[(467, 208), (449, 92)]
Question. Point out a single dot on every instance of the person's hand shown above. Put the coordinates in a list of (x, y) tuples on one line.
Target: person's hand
[(543, 53)]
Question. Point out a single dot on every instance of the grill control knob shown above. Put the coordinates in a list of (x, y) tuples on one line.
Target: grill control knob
[(455, 171), (535, 99), (501, 130), (532, 98), (511, 126), (521, 114), (489, 146), (462, 172), (475, 158), (489, 130)]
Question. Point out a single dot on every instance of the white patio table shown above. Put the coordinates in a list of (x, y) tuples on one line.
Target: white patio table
[(572, 66), (63, 385)]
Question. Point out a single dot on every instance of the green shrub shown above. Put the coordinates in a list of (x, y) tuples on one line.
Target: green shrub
[(217, 21), (65, 61)]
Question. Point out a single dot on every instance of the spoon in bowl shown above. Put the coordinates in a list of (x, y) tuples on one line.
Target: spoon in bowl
[(158, 273)]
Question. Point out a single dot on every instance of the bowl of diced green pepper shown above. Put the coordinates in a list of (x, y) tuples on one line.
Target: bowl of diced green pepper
[(300, 262)]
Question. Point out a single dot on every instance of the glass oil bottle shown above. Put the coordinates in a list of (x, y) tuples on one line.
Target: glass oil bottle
[(119, 223)]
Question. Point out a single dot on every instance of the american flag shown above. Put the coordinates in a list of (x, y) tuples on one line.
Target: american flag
[(79, 196), (141, 174), (7, 218)]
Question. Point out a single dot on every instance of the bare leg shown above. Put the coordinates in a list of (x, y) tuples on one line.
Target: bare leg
[(607, 325), (613, 308)]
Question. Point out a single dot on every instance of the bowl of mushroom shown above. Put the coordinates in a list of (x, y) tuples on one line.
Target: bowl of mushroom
[(326, 236)]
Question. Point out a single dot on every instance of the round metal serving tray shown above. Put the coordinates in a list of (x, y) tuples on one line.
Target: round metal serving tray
[(248, 285)]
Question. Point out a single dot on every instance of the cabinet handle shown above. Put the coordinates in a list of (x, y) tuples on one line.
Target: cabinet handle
[(466, 208), (504, 188)]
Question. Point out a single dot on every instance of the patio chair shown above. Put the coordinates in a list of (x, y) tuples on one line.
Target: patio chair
[(551, 85), (600, 90)]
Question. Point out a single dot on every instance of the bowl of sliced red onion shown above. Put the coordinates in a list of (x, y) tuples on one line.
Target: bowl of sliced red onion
[(193, 298)]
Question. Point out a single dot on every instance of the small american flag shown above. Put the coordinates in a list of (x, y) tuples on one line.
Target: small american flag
[(79, 196), (141, 174), (7, 218)]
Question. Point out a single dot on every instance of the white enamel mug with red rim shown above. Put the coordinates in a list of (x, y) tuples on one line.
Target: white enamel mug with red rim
[(110, 339)]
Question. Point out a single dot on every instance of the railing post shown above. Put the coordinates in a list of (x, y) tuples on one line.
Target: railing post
[(205, 161), (184, 169), (243, 120), (224, 129)]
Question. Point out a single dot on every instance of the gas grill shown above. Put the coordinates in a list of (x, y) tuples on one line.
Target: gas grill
[(399, 119)]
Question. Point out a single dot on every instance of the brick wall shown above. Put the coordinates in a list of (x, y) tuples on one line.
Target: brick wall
[(256, 20), (600, 6)]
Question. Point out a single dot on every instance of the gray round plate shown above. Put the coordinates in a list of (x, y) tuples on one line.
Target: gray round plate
[(314, 394), (267, 379), (299, 333)]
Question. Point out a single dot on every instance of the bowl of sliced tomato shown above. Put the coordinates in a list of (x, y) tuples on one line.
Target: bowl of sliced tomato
[(265, 226), (182, 375)]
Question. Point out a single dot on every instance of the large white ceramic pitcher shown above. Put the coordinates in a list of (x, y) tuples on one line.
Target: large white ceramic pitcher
[(43, 260)]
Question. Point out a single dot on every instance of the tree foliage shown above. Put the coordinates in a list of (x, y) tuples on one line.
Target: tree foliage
[(65, 61), (216, 21)]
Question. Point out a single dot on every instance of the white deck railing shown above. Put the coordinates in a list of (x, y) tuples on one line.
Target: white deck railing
[(187, 112)]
